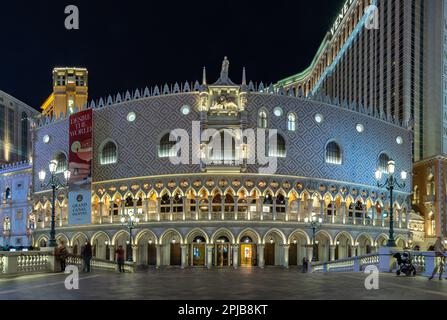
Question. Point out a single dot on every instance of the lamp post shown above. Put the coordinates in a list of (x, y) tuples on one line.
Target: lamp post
[(130, 221), (390, 183), (315, 224), (55, 183)]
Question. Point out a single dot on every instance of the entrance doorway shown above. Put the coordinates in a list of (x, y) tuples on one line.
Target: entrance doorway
[(248, 252), (293, 254), (198, 252), (176, 254), (269, 254), (222, 252), (151, 255)]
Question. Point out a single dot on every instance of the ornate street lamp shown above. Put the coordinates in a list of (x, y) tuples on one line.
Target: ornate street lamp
[(130, 221), (390, 183), (55, 184), (315, 224)]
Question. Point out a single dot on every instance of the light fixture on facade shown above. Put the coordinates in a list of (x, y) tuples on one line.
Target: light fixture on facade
[(319, 118), (360, 128), (399, 140), (278, 112), (186, 110), (46, 139), (131, 117)]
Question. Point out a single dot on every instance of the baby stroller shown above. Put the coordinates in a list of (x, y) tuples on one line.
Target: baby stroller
[(405, 264)]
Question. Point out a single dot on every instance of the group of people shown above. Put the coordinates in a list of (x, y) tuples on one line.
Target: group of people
[(439, 250), (87, 255)]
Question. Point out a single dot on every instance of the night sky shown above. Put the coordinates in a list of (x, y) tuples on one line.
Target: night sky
[(132, 44)]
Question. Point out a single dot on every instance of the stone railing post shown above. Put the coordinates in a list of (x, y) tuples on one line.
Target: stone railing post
[(11, 264), (385, 259)]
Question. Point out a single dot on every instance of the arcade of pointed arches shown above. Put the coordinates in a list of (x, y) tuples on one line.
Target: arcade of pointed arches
[(224, 247)]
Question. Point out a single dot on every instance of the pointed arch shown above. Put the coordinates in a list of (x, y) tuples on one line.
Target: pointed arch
[(299, 232), (223, 232), (364, 234), (327, 234), (346, 234), (119, 234), (249, 232), (195, 233), (145, 232), (100, 233), (277, 232), (168, 232)]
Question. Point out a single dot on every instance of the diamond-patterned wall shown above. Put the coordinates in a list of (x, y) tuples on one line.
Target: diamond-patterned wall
[(137, 142)]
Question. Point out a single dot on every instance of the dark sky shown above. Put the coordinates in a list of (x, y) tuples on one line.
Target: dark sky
[(132, 44)]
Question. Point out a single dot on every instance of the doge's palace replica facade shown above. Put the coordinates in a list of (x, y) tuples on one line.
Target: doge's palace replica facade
[(217, 207)]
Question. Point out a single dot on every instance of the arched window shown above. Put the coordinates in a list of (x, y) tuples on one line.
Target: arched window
[(8, 195), (291, 122), (24, 138), (7, 224), (166, 148), (109, 154), (383, 162), (62, 163), (278, 151), (333, 153), (263, 123), (416, 195)]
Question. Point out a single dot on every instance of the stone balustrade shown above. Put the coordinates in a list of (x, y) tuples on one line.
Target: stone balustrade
[(34, 262), (425, 262)]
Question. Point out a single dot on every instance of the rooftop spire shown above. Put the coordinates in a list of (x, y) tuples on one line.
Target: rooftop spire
[(204, 77), (244, 77)]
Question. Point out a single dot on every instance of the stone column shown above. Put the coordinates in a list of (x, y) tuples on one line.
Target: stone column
[(354, 251), (364, 214), (274, 214), (209, 256), (236, 207), (261, 207), (135, 210), (310, 208), (400, 211), (407, 219), (235, 256), (158, 209), (287, 208), (197, 208), (101, 212), (309, 249), (171, 208), (373, 214), (222, 204), (210, 207), (123, 208), (286, 248), (146, 209), (61, 214), (298, 205), (184, 250), (343, 211), (135, 253), (111, 252), (158, 249), (332, 253), (261, 261), (185, 207), (322, 203)]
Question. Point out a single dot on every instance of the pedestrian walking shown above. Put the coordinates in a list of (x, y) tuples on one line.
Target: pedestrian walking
[(62, 254), (439, 253), (305, 265), (87, 255), (120, 258)]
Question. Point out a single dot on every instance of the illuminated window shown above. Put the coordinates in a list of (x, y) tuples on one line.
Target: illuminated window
[(291, 122), (109, 154), (167, 148), (263, 123), (8, 195), (186, 110), (278, 150), (62, 163), (360, 128), (333, 153), (383, 162), (7, 224)]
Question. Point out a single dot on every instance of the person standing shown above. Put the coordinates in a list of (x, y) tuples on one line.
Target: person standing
[(62, 254), (305, 265), (87, 256), (439, 253), (120, 258)]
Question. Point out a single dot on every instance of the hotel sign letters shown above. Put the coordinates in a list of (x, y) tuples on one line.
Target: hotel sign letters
[(80, 164), (341, 16)]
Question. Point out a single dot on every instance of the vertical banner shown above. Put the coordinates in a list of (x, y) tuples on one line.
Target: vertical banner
[(80, 165)]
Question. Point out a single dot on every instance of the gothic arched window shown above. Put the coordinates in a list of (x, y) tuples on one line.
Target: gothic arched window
[(383, 162), (262, 122), (278, 151), (62, 163), (291, 122), (109, 153), (166, 148), (333, 153)]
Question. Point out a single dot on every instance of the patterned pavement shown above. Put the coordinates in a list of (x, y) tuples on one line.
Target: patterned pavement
[(220, 284)]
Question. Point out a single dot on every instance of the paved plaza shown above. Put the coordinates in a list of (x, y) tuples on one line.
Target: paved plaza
[(220, 284)]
